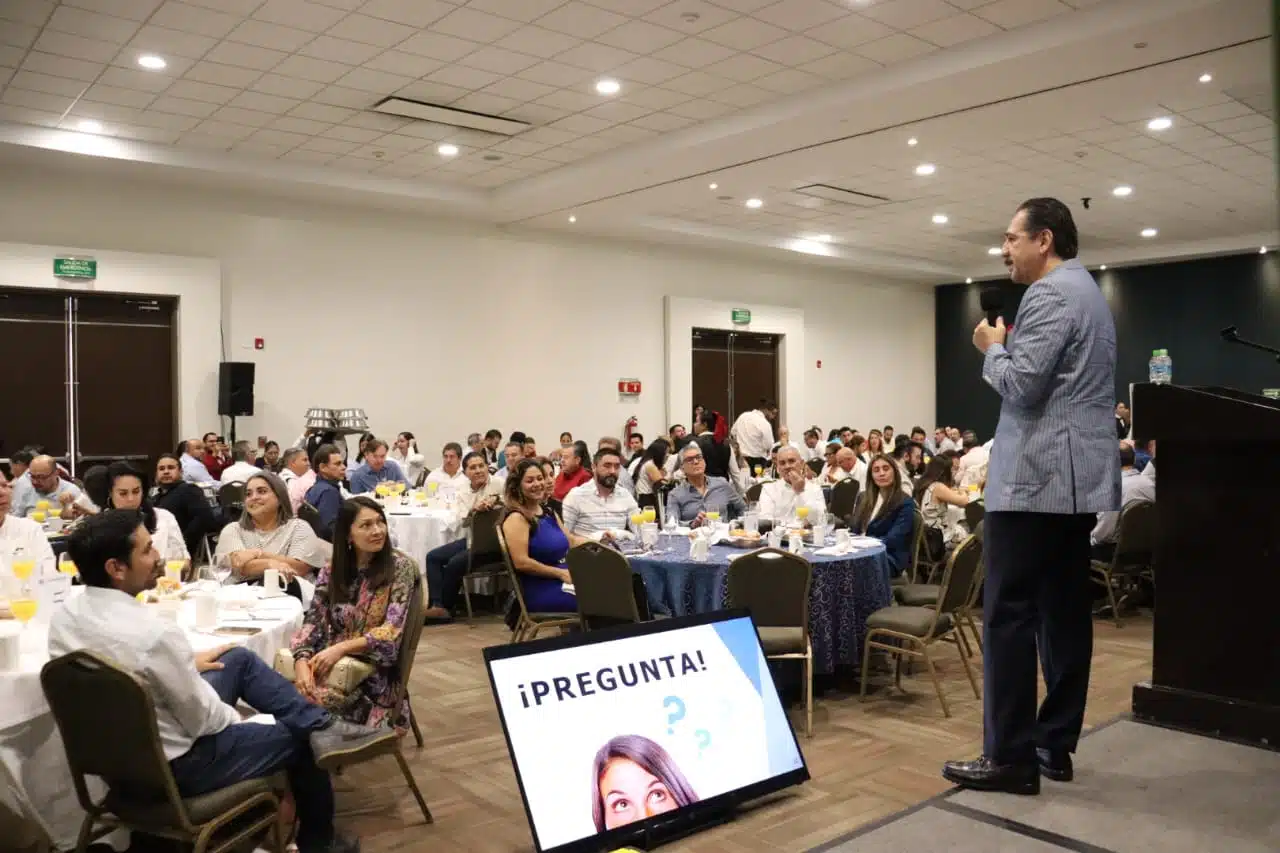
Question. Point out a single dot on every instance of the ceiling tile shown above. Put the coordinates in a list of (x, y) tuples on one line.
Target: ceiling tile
[(221, 129), (850, 31), (709, 17), (42, 101), (499, 60), (330, 146), (170, 43), (102, 93), (148, 134), (790, 81), (340, 50), (640, 37), (701, 109), (274, 36), (264, 102), (352, 134), (547, 135), (404, 64), (463, 77), (413, 13), (1218, 112), (223, 75), (662, 122), (618, 111), (288, 87), (143, 81), (525, 10), (946, 32), (656, 98), (302, 14), (301, 155), (431, 92), (183, 106), (203, 141), (570, 99), (579, 124), (310, 68), (369, 30), (194, 19), (245, 55), (745, 34), (537, 114), (578, 19), (649, 70), (555, 74), (474, 25), (479, 102), (438, 46), (905, 14), (518, 89), (243, 8), (538, 41), (76, 47), (276, 136), (634, 8), (794, 50), (518, 146), (744, 95), (744, 67), (47, 84), (694, 53), (1010, 14), (895, 48), (340, 96), (11, 57), (800, 15), (62, 66), (1253, 121), (19, 35), (239, 115), (368, 80), (134, 10), (698, 83), (596, 57), (321, 113)]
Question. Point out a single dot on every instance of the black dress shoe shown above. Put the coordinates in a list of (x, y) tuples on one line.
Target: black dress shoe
[(1056, 765), (983, 774)]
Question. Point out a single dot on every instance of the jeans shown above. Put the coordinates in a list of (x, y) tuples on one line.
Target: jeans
[(446, 567), (251, 750)]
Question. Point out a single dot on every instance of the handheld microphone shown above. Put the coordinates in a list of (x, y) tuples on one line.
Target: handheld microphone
[(992, 302)]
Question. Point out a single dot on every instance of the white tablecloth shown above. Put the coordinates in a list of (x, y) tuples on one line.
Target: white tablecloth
[(35, 781), (417, 530)]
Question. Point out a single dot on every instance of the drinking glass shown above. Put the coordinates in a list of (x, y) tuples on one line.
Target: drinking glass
[(42, 505), (22, 569), (67, 566), (650, 514), (23, 609), (802, 512), (382, 490), (759, 470), (38, 517), (637, 519)]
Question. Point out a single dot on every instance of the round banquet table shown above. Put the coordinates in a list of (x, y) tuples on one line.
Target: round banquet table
[(419, 529), (35, 781), (846, 590)]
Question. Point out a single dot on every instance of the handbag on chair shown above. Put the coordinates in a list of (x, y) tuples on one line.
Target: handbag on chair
[(347, 674)]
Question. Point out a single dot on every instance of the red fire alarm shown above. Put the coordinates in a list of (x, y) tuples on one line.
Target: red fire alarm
[(259, 343), (819, 364), (630, 387)]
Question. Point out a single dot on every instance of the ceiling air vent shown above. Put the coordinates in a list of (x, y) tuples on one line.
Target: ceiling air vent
[(406, 108), (842, 195)]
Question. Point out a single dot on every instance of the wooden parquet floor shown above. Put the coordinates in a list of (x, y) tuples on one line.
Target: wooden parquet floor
[(868, 759)]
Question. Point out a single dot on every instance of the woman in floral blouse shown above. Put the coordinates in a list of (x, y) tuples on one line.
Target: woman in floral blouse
[(359, 610)]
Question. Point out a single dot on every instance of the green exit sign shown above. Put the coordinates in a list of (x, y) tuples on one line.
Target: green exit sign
[(741, 315), (75, 268), (1271, 393)]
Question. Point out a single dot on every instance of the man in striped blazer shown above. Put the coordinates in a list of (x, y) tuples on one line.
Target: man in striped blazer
[(1053, 467)]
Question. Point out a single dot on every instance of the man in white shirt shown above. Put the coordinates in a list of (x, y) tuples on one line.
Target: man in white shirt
[(21, 537), (599, 510), (1135, 487), (849, 466), (450, 474), (624, 478), (242, 467), (206, 743), (753, 431), (298, 475), (792, 489), (973, 464), (512, 453), (447, 564)]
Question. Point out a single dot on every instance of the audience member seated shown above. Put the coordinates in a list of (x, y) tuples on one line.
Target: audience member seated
[(405, 454), (242, 468), (361, 601), (549, 471), (849, 466), (635, 447), (97, 490), (715, 453), (886, 512), (447, 564), (530, 445), (919, 437), (270, 458), (1142, 452), (192, 462), (19, 462), (126, 490), (537, 541), (812, 449), (217, 456), (325, 493), (624, 479), (377, 468), (1124, 421), (793, 488), (858, 445), (185, 501), (649, 472), (600, 509), (936, 494), (875, 444), (831, 472), (913, 459), (21, 536), (575, 469), (511, 455), (973, 462), (298, 476), (887, 434), (42, 483), (492, 441), (207, 744), (362, 447), (476, 444), (1135, 487), (268, 536), (699, 494), (450, 476)]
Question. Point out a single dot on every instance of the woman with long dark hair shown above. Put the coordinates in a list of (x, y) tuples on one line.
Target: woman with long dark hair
[(362, 598), (127, 489), (634, 779), (269, 536), (537, 541), (935, 494), (650, 472), (886, 512)]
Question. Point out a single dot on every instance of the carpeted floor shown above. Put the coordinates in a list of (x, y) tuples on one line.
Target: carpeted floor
[(1138, 789)]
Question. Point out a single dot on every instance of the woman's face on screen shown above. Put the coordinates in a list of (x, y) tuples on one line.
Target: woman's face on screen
[(631, 793)]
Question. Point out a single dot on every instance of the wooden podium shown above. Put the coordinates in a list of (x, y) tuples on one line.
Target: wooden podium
[(1216, 669)]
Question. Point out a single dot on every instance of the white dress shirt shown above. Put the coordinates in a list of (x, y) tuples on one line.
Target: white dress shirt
[(754, 434), (412, 464), (458, 482), (25, 534), (119, 627), (779, 501), (589, 513), (168, 537), (238, 472), (1135, 487)]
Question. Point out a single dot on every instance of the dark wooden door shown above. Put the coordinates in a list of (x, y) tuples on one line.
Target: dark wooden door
[(710, 372), (734, 371), (755, 371), (33, 370), (125, 389)]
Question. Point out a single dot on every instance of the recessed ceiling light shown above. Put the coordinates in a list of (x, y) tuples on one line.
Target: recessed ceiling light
[(993, 251), (1103, 267), (1122, 191), (447, 149), (151, 62), (913, 141), (1262, 251), (754, 203), (926, 169), (1162, 123), (1149, 232), (713, 186), (573, 219), (968, 281), (608, 87), (939, 219), (1206, 78), (88, 125)]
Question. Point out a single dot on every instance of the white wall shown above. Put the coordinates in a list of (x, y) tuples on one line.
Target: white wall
[(444, 328)]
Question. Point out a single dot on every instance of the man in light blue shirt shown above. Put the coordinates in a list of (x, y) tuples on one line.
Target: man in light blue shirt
[(377, 468), (193, 468), (41, 483), (699, 494)]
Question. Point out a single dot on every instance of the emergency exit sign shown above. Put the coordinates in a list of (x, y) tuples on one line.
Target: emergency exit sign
[(740, 316), (82, 268)]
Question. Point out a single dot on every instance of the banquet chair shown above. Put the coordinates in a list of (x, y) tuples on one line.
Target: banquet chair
[(974, 512), (603, 584), (928, 595), (1135, 546), (844, 497), (753, 493), (774, 586), (910, 631), (231, 497), (422, 478), (404, 665), (311, 516), (484, 543), (922, 556), (816, 466), (529, 624), (142, 794)]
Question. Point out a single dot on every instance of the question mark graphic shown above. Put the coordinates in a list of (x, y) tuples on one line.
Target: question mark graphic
[(704, 740), (676, 715)]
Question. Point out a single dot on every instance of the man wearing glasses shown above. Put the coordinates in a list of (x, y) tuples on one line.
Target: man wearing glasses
[(42, 483), (699, 494)]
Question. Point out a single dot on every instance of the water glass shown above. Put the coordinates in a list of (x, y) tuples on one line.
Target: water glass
[(775, 537), (649, 534), (819, 534)]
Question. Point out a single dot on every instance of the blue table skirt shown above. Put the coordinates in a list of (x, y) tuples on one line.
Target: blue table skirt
[(845, 591)]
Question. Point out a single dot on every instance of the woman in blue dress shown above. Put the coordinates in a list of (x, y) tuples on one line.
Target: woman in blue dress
[(537, 541)]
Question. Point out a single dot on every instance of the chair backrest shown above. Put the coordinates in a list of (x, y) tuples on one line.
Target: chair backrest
[(844, 497), (90, 695), (484, 532), (958, 579), (311, 516), (231, 495), (603, 586), (422, 478), (512, 574), (774, 585), (409, 638), (753, 493), (973, 514), (1135, 536), (816, 465), (917, 542)]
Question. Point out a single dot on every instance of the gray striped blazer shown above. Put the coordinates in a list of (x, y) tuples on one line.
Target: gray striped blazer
[(1055, 448)]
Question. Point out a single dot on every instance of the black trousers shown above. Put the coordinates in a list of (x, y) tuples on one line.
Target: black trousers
[(1037, 596)]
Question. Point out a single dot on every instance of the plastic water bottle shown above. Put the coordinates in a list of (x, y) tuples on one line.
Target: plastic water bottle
[(1160, 368)]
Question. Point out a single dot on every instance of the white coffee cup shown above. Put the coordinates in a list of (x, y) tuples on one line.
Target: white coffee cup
[(699, 549), (843, 538), (819, 534), (273, 583), (206, 611), (10, 646)]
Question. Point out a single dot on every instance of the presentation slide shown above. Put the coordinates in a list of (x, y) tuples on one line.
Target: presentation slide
[(605, 734)]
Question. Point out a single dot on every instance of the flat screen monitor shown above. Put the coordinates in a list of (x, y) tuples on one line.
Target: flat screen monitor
[(629, 734)]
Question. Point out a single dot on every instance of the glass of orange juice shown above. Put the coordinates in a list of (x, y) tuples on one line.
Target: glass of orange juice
[(67, 566), (23, 609), (38, 517), (759, 470), (42, 505), (802, 512), (637, 519), (432, 488), (381, 490), (22, 569), (650, 515)]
